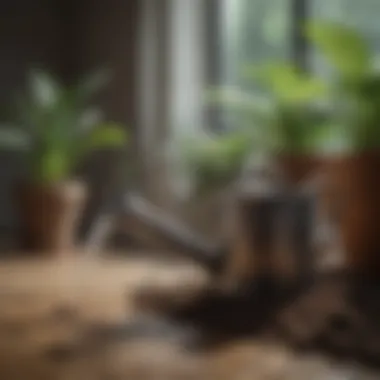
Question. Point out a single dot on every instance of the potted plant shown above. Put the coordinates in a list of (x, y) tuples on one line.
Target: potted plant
[(355, 127), (285, 122), (55, 130)]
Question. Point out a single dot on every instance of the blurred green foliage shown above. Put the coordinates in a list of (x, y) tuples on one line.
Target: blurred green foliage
[(355, 89), (287, 119), (55, 127), (215, 162)]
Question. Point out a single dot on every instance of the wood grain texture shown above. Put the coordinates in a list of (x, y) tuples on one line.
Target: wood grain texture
[(48, 309)]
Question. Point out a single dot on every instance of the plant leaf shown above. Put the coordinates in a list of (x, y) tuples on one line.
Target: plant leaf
[(234, 98), (271, 73), (342, 46), (52, 166), (14, 138), (256, 108), (45, 90), (216, 160), (105, 136), (92, 84), (286, 82), (90, 118)]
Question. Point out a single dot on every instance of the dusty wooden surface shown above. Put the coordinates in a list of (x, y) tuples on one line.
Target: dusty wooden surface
[(46, 308)]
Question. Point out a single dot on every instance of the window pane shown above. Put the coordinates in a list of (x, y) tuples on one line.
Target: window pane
[(361, 14), (254, 31)]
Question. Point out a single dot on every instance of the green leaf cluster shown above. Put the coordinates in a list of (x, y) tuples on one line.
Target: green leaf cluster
[(286, 119), (216, 160), (355, 90), (56, 127)]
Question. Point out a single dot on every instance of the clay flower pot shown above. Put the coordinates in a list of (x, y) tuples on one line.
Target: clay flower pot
[(295, 168), (355, 189), (49, 215)]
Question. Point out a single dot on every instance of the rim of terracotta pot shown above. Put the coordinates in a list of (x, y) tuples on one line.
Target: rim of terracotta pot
[(71, 189), (67, 183)]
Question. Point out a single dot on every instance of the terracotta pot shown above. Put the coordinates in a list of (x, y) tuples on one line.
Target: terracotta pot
[(295, 168), (49, 215), (354, 189), (331, 188)]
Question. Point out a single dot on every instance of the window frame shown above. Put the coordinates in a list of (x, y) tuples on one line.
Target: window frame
[(299, 48), (299, 52)]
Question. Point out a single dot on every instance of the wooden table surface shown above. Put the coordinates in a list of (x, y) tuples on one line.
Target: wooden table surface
[(46, 305)]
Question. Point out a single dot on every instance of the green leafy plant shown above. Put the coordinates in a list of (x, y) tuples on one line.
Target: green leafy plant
[(285, 119), (355, 88), (293, 119), (342, 46), (56, 127), (216, 161)]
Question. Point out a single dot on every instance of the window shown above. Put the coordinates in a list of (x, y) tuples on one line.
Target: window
[(207, 42), (250, 32), (260, 31), (253, 31)]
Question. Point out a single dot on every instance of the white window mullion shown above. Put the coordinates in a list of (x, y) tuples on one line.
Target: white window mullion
[(187, 78)]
